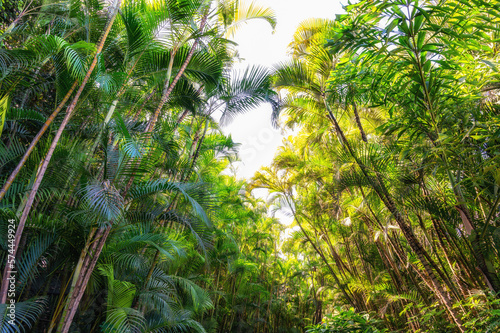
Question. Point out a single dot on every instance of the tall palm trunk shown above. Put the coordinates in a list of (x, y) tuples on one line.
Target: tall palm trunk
[(358, 122), (74, 280), (69, 112), (169, 87), (35, 140), (82, 274)]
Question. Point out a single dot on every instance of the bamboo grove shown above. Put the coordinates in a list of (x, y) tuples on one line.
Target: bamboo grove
[(114, 170)]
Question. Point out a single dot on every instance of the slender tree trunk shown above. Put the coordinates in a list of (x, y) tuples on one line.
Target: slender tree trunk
[(35, 140), (146, 100), (320, 253), (181, 117), (87, 267), (169, 87), (186, 111), (196, 154), (358, 122), (74, 280), (41, 173)]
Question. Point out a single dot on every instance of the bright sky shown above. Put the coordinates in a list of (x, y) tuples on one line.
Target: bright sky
[(257, 45)]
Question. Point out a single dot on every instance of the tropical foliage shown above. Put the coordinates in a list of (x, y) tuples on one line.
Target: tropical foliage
[(392, 180), (117, 205)]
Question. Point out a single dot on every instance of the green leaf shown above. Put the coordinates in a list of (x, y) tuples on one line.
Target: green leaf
[(4, 107), (487, 62), (391, 26), (420, 39), (417, 23)]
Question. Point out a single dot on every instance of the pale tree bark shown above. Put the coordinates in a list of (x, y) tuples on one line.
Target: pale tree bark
[(41, 172), (358, 121), (74, 281), (169, 87), (35, 140), (82, 277)]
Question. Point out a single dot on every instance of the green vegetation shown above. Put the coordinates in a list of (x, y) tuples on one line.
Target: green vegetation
[(114, 202)]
